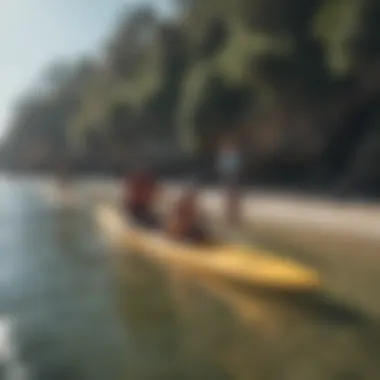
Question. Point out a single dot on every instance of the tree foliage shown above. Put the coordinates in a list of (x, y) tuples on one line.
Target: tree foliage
[(248, 66)]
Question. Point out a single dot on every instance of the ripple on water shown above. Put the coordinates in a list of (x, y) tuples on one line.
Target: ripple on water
[(56, 292)]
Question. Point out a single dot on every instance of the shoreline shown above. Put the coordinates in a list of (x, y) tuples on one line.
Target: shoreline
[(345, 250)]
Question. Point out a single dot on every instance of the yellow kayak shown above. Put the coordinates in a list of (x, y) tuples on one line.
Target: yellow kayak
[(249, 265)]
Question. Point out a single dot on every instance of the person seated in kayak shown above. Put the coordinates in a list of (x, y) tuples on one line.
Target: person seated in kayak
[(185, 222), (139, 194)]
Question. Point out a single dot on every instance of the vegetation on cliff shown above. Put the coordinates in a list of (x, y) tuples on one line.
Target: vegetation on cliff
[(298, 81)]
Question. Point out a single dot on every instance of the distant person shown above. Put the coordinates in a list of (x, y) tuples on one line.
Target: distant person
[(139, 193), (229, 164), (64, 178), (64, 174), (228, 160), (186, 222)]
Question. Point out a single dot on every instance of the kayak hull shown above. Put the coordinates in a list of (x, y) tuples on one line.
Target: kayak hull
[(245, 264)]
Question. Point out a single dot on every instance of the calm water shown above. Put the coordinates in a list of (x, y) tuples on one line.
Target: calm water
[(68, 311)]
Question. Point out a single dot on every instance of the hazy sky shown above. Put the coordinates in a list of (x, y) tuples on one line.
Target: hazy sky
[(35, 32)]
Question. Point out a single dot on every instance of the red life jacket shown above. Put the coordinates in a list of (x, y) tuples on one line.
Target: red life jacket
[(139, 189)]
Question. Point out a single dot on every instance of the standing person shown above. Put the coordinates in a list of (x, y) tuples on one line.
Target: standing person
[(229, 167), (139, 193)]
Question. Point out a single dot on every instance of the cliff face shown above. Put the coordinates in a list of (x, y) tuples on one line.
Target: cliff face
[(296, 81)]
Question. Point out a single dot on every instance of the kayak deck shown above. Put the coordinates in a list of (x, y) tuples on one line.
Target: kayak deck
[(250, 265)]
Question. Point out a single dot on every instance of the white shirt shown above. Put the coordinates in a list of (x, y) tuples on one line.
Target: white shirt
[(228, 162)]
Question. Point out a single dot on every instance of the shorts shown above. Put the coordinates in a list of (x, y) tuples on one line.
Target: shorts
[(197, 234), (142, 216)]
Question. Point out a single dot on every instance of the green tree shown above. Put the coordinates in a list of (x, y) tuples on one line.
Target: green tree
[(126, 48)]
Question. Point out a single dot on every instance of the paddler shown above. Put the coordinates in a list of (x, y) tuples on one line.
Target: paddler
[(186, 222), (139, 195)]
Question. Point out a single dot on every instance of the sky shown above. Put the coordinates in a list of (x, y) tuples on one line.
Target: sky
[(34, 33)]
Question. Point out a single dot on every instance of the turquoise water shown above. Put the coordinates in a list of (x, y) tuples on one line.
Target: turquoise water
[(56, 292), (68, 311)]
